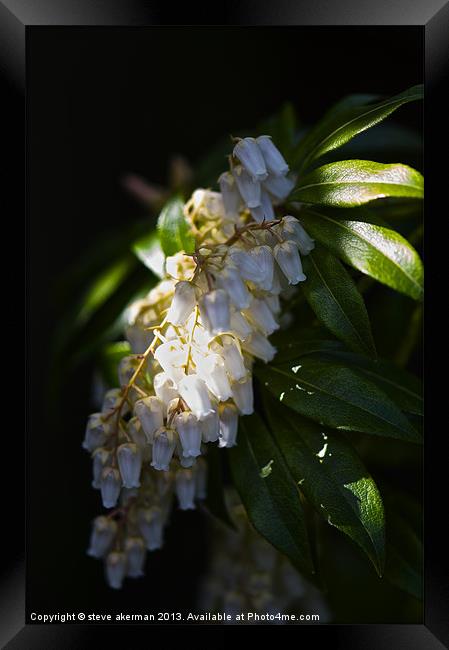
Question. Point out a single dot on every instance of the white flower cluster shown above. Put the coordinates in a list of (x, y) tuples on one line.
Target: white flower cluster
[(194, 339)]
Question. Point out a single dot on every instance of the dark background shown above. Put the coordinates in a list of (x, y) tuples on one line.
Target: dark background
[(102, 102)]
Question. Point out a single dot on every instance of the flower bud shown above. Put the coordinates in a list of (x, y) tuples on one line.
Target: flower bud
[(111, 401), (240, 326), (263, 256), (115, 569), (291, 229), (130, 464), (164, 388), (242, 392), (171, 356), (164, 444), (231, 197), (229, 422), (104, 530), (150, 413), (110, 486), (264, 211), (248, 188), (151, 526), (279, 187), (126, 369), (231, 281), (182, 304), (96, 432), (233, 358), (273, 158), (185, 489), (215, 311), (210, 427), (287, 257), (259, 346), (99, 460), (251, 157), (211, 369), (260, 315), (193, 391), (135, 556), (139, 437), (189, 433)]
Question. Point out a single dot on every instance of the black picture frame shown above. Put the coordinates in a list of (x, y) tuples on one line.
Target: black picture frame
[(17, 18)]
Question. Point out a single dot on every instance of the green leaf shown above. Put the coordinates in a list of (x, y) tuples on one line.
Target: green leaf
[(272, 502), (174, 231), (404, 556), (332, 477), (350, 183), (333, 296), (348, 118), (399, 385), (378, 252), (149, 251), (336, 396)]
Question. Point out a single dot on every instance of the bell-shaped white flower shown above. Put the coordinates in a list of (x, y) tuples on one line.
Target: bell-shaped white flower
[(139, 338), (186, 461), (182, 304), (290, 228), (150, 412), (130, 464), (164, 444), (115, 569), (249, 189), (249, 154), (211, 368), (273, 158), (259, 346), (151, 526), (185, 489), (233, 358), (261, 316), (279, 186), (189, 432), (246, 264), (264, 211), (231, 281), (273, 303), (110, 486), (171, 356), (135, 556), (103, 533), (240, 326), (229, 422), (242, 392), (111, 400), (231, 197), (193, 391), (215, 311), (210, 427), (164, 388), (287, 256), (96, 432), (263, 256), (99, 459), (138, 436)]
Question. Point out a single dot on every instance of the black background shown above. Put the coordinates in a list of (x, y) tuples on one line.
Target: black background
[(103, 102)]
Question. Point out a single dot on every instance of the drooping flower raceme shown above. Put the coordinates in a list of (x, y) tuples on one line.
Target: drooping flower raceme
[(194, 339)]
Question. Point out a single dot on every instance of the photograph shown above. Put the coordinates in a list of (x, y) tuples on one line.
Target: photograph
[(224, 372)]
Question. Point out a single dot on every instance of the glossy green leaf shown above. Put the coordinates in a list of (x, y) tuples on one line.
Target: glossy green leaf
[(378, 252), (350, 183), (351, 116), (271, 498), (173, 229), (332, 477), (404, 556), (333, 296), (336, 396), (149, 251)]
